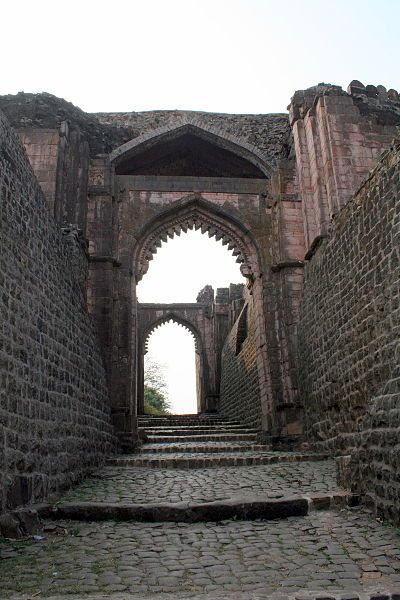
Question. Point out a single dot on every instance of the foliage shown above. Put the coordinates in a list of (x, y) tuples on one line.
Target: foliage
[(155, 389)]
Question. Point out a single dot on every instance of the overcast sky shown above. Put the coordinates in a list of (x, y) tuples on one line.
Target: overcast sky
[(244, 56)]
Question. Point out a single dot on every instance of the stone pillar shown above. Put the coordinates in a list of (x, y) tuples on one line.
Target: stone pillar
[(110, 272), (338, 137)]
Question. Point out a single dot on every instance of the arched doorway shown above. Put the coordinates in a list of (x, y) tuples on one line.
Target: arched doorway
[(226, 199), (200, 376), (194, 212)]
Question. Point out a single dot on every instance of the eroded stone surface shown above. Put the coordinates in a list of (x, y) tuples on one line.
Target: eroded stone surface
[(325, 551), (130, 484)]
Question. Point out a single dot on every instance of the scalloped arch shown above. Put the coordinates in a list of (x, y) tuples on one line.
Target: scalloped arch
[(193, 213), (195, 127), (171, 317)]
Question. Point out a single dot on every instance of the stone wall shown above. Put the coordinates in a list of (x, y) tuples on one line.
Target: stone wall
[(338, 138), (375, 465), (269, 133), (240, 390), (54, 409), (349, 335)]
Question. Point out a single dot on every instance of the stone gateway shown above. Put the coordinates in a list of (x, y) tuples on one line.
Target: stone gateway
[(302, 358)]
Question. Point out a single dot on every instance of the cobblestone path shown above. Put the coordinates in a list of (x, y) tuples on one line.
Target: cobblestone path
[(119, 484), (343, 553), (328, 551)]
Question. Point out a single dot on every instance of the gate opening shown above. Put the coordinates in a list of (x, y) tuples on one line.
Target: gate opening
[(170, 362)]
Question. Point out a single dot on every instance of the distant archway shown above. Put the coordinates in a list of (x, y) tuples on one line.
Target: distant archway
[(194, 212), (153, 316)]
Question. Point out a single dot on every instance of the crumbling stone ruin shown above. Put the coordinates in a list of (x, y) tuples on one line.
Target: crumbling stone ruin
[(306, 353)]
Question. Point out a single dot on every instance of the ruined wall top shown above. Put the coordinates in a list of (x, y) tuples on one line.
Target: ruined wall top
[(375, 100), (206, 295), (269, 133)]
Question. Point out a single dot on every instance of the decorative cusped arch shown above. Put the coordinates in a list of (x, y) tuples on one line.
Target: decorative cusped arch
[(196, 128), (173, 318), (195, 213), (193, 318)]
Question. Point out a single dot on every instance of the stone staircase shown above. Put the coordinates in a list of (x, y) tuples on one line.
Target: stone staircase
[(202, 510), (198, 441)]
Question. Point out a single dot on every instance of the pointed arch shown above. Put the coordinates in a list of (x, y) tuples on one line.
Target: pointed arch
[(207, 133), (195, 213), (172, 318), (151, 321)]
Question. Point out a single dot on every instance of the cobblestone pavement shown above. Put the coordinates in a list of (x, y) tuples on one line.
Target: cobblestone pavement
[(141, 485), (346, 550)]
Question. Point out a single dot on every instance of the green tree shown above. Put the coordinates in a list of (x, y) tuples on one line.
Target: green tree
[(155, 389)]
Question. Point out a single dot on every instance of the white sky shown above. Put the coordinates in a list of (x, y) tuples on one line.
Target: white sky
[(243, 56), (216, 55)]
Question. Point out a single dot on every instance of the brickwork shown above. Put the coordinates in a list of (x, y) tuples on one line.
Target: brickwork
[(240, 389), (349, 335), (54, 410), (375, 465), (41, 146)]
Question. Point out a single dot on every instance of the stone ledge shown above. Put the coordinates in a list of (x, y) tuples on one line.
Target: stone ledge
[(188, 512), (287, 264), (103, 258), (201, 462)]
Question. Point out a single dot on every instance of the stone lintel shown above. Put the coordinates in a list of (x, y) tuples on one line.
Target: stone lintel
[(103, 258), (287, 264), (193, 184)]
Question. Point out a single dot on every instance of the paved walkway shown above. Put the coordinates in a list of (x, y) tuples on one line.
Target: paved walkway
[(327, 551), (138, 485), (334, 554)]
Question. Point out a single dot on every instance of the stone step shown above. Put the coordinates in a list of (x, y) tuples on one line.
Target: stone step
[(202, 437), (186, 420), (200, 461), (195, 417), (185, 423), (191, 512), (185, 431), (205, 427), (202, 447)]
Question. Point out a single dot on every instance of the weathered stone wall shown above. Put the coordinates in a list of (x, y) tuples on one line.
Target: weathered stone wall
[(269, 133), (375, 465), (338, 138), (240, 391), (54, 409), (349, 332)]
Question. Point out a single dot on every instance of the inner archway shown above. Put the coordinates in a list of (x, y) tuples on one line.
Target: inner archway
[(175, 363), (213, 316), (184, 295), (185, 265)]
